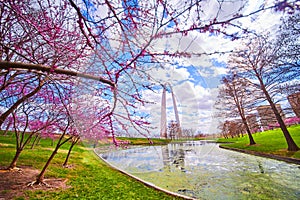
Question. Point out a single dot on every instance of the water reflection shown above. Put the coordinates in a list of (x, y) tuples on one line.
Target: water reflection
[(178, 155), (202, 170), (169, 157)]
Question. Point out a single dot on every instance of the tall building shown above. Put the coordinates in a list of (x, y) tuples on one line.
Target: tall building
[(294, 100), (252, 123), (267, 116)]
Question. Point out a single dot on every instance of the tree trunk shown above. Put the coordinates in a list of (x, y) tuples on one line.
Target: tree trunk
[(242, 114), (38, 141), (13, 163), (34, 141), (292, 146), (40, 177), (70, 149), (69, 153), (7, 127), (252, 142)]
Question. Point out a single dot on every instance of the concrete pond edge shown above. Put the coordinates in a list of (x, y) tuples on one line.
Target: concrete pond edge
[(266, 155)]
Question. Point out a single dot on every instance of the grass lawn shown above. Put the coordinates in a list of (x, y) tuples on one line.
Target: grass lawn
[(88, 178), (155, 141), (271, 141), (144, 141)]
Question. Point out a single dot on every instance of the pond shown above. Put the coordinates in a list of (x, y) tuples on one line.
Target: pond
[(202, 170)]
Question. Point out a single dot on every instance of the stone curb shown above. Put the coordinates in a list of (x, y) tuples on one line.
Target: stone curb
[(145, 182), (272, 156)]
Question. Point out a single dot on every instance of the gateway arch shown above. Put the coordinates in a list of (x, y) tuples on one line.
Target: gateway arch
[(174, 127)]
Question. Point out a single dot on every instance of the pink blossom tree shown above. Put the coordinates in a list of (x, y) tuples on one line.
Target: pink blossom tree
[(292, 120), (28, 120), (36, 32)]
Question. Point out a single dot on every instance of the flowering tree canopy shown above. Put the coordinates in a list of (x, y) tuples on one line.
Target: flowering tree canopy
[(116, 43)]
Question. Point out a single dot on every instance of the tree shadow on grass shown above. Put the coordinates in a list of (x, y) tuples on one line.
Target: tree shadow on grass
[(14, 183)]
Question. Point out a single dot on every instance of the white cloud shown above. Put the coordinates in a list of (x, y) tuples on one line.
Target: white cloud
[(219, 71)]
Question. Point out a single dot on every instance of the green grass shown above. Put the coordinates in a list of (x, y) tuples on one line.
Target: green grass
[(271, 141), (89, 178), (144, 141), (156, 141)]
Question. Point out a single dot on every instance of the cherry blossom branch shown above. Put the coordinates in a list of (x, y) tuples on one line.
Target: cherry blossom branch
[(17, 65)]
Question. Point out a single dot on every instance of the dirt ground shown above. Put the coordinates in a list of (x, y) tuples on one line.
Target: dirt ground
[(14, 183)]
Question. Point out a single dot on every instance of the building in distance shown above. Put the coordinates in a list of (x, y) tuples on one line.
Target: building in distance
[(267, 116), (294, 100)]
